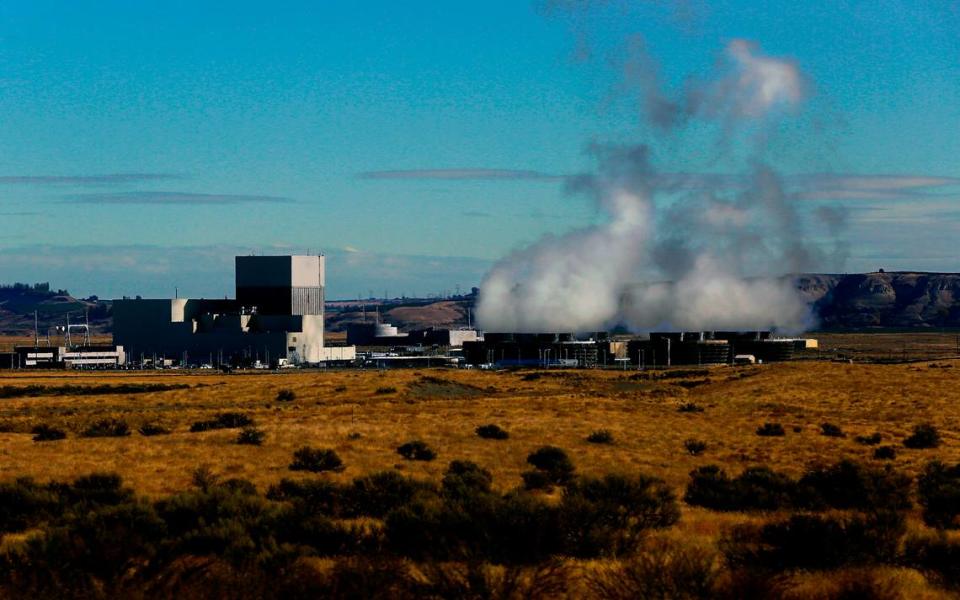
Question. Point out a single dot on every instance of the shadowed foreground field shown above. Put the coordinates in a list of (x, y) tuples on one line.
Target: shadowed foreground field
[(365, 415)]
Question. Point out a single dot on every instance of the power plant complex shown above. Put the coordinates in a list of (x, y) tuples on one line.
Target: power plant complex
[(657, 350), (276, 319)]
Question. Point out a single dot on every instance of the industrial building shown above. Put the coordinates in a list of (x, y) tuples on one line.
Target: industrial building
[(538, 350), (276, 319), (375, 334), (714, 347), (64, 357), (385, 335), (659, 350)]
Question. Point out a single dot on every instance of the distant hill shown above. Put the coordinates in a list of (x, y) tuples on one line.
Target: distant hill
[(407, 315), (908, 300), (18, 302), (889, 300)]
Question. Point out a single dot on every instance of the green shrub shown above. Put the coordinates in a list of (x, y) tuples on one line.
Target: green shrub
[(695, 447), (844, 485), (661, 569), (95, 489), (238, 485), (87, 554), (46, 433), (389, 389), (107, 428), (553, 467), (377, 494), (204, 478), (771, 430), (484, 580), (937, 555), (286, 396), (923, 436), (416, 450), (513, 529), (24, 503), (816, 542), (537, 480), (869, 440), (757, 488), (849, 485), (492, 432), (938, 492), (831, 430), (316, 460), (222, 522), (251, 436), (885, 453), (601, 436), (608, 515), (313, 496), (153, 429), (465, 479), (324, 536), (222, 421)]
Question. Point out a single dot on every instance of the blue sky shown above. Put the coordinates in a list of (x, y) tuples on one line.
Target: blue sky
[(135, 137)]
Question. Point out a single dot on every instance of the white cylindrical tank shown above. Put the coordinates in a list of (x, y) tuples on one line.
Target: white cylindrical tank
[(385, 330)]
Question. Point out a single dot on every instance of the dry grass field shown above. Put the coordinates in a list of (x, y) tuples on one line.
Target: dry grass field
[(365, 415), (443, 407), (890, 346)]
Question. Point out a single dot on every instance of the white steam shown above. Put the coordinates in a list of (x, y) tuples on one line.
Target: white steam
[(713, 259), (755, 85)]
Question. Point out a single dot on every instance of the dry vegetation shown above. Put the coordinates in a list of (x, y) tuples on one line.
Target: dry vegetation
[(930, 345), (351, 413), (444, 407)]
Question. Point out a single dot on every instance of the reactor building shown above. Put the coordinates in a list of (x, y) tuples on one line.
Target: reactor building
[(276, 318)]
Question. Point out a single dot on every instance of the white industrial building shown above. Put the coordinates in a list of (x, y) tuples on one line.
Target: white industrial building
[(276, 317)]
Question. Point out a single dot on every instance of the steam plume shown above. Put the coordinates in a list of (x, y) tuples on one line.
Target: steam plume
[(713, 258)]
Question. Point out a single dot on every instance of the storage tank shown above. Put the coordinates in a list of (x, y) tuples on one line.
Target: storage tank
[(385, 330)]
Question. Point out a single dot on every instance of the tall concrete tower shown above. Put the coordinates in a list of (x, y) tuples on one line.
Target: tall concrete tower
[(281, 285)]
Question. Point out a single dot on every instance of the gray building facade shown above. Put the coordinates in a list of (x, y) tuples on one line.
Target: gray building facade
[(277, 314)]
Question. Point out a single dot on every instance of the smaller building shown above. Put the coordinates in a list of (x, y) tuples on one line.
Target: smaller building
[(537, 350), (60, 357), (93, 357), (375, 334), (338, 354), (38, 357), (385, 335), (435, 336)]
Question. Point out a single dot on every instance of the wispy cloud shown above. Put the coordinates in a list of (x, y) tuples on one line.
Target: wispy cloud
[(826, 186), (806, 186), (106, 179), (477, 214), (173, 198), (462, 174)]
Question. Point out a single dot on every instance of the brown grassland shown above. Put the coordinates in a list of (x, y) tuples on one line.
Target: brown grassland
[(443, 407)]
